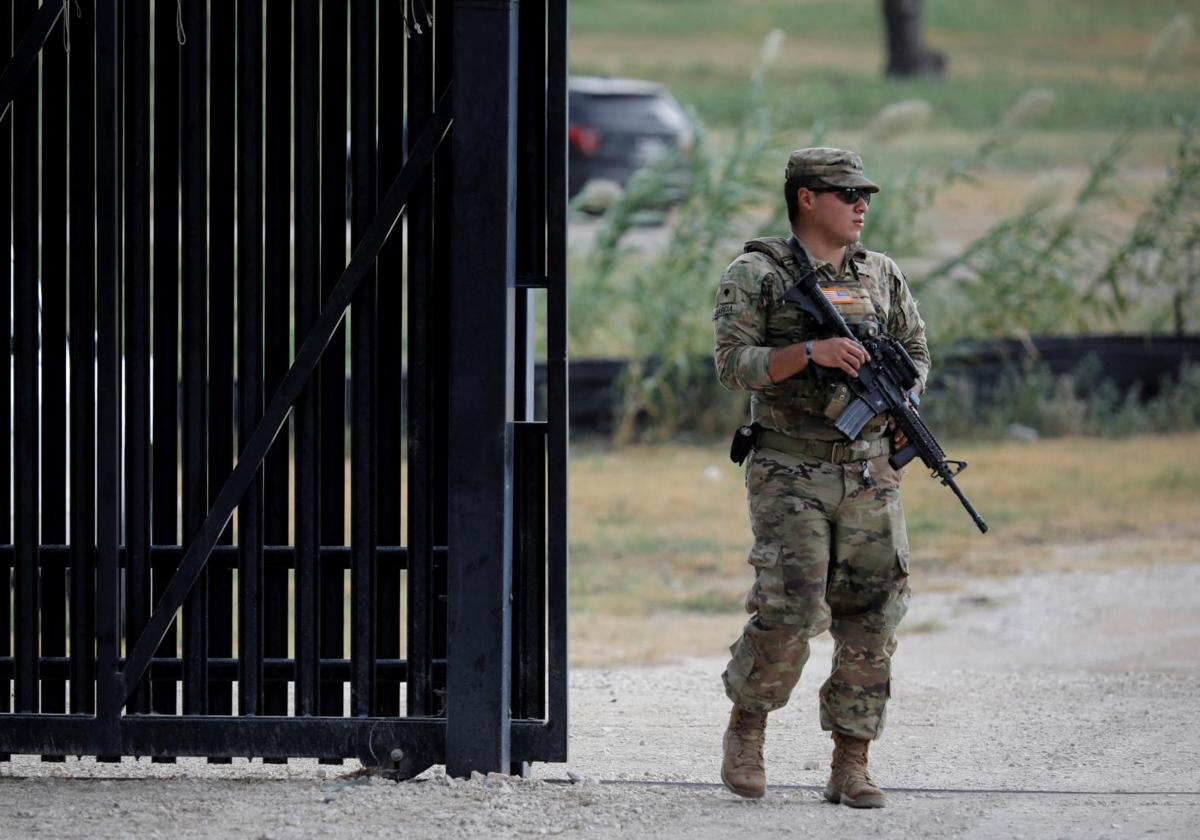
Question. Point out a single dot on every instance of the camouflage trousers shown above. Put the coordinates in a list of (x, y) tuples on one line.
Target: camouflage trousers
[(830, 552)]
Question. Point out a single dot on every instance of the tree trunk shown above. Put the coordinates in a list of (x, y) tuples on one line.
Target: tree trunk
[(907, 54)]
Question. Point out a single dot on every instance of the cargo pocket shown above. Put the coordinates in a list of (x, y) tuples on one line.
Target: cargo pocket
[(764, 556), (749, 468)]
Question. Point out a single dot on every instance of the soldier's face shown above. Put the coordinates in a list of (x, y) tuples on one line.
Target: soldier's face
[(838, 221)]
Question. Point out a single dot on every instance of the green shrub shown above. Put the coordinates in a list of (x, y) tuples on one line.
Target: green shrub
[(1082, 402)]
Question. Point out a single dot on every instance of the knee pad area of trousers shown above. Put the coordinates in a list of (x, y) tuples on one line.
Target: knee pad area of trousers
[(779, 632)]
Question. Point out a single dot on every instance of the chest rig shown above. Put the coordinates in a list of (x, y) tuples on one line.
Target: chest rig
[(787, 324)]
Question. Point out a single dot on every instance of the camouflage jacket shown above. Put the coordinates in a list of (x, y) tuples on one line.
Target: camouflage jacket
[(750, 318)]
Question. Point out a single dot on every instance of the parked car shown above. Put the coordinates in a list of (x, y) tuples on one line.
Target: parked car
[(618, 126)]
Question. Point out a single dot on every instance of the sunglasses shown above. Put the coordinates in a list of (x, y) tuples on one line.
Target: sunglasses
[(848, 195)]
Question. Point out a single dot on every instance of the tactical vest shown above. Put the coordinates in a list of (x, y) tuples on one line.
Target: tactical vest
[(787, 324)]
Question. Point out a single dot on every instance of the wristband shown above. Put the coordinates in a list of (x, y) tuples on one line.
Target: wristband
[(808, 352)]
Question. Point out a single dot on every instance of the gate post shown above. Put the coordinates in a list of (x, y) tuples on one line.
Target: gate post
[(480, 470)]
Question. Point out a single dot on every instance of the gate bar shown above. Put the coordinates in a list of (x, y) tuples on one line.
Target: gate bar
[(193, 150), (280, 406), (226, 667), (25, 319), (222, 181), (82, 253), (372, 739), (558, 392), (225, 556), (250, 357), (277, 254), (529, 571), (137, 328), (165, 478), (6, 33), (25, 57), (389, 358), (529, 517), (365, 536), (331, 582), (425, 432), (53, 364), (306, 426), (109, 693)]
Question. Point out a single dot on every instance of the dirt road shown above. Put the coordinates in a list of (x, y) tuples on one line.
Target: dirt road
[(1050, 705)]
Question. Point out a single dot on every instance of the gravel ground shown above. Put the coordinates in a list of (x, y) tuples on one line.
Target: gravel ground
[(1049, 705)]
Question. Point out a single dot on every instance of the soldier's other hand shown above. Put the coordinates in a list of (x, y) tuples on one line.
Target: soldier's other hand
[(840, 353), (899, 439)]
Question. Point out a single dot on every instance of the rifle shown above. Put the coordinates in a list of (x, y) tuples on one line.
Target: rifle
[(883, 385)]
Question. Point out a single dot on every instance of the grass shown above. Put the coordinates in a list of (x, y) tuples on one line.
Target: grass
[(1067, 490), (859, 21), (1092, 52), (659, 534)]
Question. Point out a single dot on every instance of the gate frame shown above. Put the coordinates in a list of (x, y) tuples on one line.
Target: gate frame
[(478, 732)]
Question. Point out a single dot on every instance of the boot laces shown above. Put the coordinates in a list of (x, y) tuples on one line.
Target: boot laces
[(749, 740), (853, 765), (857, 772)]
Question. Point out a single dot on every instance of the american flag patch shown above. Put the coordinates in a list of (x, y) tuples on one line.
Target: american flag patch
[(838, 295)]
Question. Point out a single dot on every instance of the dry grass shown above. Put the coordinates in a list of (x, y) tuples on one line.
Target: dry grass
[(659, 534), (1054, 492)]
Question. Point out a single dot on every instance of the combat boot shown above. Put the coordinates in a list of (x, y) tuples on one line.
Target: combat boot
[(850, 783), (742, 768)]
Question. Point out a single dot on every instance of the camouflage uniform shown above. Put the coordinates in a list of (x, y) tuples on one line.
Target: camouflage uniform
[(830, 545)]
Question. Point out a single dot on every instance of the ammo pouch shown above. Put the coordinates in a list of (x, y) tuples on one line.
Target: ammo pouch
[(745, 441)]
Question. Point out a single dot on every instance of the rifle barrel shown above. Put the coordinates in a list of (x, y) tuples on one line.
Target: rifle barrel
[(966, 503)]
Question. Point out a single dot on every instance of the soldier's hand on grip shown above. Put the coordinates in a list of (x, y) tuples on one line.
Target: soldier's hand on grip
[(841, 354)]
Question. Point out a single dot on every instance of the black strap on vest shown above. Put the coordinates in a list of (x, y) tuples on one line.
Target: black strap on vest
[(800, 257), (806, 268)]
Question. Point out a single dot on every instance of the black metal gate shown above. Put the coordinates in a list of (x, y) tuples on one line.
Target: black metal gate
[(233, 527)]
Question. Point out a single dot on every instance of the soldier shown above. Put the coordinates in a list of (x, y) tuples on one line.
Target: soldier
[(830, 546)]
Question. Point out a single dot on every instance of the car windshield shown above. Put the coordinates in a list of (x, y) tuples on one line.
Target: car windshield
[(632, 111)]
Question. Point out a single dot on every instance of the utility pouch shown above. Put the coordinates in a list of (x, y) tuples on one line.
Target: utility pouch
[(839, 398), (745, 440)]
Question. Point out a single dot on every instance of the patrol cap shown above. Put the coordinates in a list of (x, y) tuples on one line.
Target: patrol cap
[(833, 167)]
